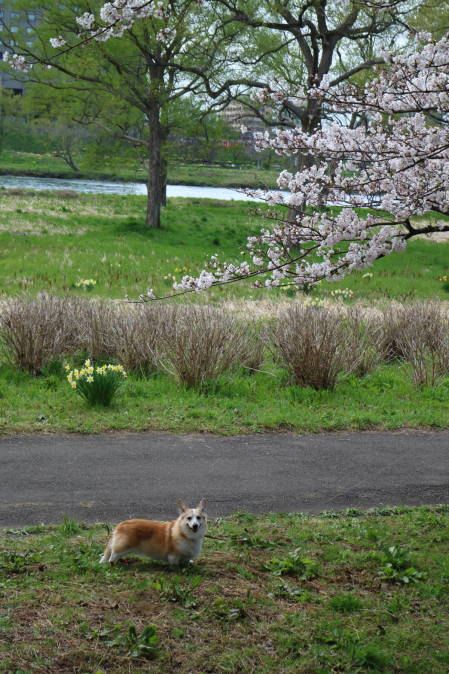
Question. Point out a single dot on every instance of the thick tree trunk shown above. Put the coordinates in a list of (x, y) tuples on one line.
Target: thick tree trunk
[(155, 168)]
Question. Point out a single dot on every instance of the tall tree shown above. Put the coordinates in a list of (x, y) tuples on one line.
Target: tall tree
[(147, 64), (324, 41)]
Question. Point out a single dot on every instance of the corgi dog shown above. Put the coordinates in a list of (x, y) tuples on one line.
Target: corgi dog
[(176, 542)]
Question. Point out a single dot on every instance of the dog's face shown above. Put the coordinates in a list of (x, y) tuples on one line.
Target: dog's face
[(193, 519)]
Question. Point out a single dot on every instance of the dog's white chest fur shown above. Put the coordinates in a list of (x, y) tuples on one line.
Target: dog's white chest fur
[(189, 548)]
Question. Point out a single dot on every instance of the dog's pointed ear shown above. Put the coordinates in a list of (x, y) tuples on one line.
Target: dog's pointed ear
[(202, 504), (181, 506)]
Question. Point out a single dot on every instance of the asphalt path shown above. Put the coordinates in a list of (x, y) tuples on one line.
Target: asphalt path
[(98, 478)]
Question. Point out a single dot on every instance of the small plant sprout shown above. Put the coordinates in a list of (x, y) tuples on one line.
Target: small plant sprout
[(96, 385), (294, 564), (144, 644)]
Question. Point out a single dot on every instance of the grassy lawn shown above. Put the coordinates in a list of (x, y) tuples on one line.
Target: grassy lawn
[(347, 592), (26, 163), (49, 241)]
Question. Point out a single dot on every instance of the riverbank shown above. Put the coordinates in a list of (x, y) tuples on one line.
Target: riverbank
[(47, 166)]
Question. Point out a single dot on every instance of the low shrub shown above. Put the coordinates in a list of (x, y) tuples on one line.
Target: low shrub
[(424, 341), (135, 336), (313, 344), (364, 338), (38, 330), (202, 342), (94, 322), (394, 323)]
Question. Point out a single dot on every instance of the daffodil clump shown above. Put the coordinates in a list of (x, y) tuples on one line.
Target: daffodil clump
[(86, 284), (96, 385), (445, 281), (342, 294)]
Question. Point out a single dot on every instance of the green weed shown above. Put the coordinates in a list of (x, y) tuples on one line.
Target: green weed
[(144, 644), (293, 564)]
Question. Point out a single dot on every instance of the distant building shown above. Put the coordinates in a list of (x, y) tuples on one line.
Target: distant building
[(237, 115), (14, 22)]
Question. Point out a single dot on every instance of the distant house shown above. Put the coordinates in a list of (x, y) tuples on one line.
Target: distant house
[(22, 22)]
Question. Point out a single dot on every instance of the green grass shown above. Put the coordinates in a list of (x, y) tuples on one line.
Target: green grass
[(49, 241), (60, 610), (235, 403), (45, 165)]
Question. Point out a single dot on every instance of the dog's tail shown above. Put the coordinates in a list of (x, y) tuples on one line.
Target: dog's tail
[(106, 554)]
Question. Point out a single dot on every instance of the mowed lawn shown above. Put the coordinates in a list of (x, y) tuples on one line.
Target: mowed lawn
[(338, 592)]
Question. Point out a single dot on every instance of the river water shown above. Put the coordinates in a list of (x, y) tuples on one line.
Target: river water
[(107, 187)]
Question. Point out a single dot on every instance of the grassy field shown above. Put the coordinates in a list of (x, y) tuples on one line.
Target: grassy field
[(348, 592), (49, 241), (25, 163)]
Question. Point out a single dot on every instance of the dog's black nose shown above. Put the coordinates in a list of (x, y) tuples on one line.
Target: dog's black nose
[(195, 527)]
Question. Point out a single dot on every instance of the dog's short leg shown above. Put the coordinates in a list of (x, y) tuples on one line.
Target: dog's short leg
[(173, 559), (115, 556), (106, 554)]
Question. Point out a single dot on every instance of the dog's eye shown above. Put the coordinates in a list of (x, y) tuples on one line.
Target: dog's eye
[(189, 518), (198, 518)]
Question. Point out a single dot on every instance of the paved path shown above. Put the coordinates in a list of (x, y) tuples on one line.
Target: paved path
[(116, 476)]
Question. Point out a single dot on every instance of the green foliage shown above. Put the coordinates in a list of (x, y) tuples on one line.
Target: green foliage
[(69, 527), (127, 638), (345, 603), (16, 562), (173, 589), (397, 566), (293, 564)]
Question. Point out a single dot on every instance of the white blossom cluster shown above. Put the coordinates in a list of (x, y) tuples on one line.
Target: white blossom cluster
[(397, 163), (16, 61), (57, 42), (119, 16)]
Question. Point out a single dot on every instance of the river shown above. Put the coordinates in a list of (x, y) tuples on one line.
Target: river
[(109, 187)]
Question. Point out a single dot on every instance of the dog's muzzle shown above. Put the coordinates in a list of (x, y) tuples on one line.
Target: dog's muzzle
[(195, 527)]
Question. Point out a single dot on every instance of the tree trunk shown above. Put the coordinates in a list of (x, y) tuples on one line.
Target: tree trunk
[(164, 182), (155, 168)]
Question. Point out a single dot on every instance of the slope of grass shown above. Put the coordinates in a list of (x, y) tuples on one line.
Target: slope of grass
[(48, 241), (352, 592), (45, 165)]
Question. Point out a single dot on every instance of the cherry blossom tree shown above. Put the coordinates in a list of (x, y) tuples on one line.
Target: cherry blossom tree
[(361, 198)]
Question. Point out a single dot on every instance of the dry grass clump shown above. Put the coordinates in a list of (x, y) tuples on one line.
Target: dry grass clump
[(94, 321), (136, 336), (202, 342), (312, 342), (67, 194), (424, 341), (39, 330), (252, 350), (364, 341), (394, 323)]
